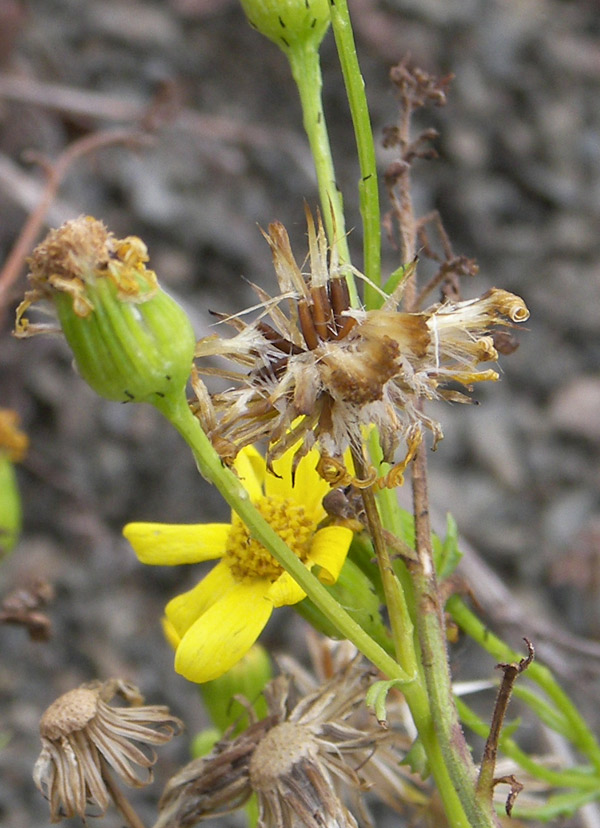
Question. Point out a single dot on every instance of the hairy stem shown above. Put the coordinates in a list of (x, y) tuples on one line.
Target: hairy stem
[(432, 638)]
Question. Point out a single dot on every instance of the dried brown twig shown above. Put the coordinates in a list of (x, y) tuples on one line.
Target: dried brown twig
[(486, 781)]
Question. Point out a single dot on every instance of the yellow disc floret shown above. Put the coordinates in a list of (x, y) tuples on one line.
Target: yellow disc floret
[(247, 558)]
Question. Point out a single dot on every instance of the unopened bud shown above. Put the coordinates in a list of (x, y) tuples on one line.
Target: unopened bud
[(131, 341), (289, 23)]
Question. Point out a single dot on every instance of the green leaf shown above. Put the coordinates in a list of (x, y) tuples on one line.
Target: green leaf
[(558, 805)]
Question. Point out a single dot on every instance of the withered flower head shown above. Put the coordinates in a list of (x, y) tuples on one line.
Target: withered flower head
[(131, 341), (83, 736), (324, 371), (304, 761)]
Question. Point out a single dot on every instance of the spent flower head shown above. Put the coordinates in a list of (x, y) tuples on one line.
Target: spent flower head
[(83, 736), (214, 624), (131, 341), (322, 372), (310, 758)]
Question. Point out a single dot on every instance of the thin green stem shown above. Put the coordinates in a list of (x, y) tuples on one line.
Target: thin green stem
[(359, 110), (306, 70), (580, 734), (209, 464), (400, 621)]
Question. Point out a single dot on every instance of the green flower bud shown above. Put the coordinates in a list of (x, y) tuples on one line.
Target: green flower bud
[(13, 445), (131, 341), (247, 678), (289, 23), (356, 594)]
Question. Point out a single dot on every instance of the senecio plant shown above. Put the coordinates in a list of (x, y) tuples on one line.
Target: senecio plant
[(330, 379)]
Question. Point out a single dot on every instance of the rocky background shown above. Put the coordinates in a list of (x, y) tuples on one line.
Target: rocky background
[(518, 187)]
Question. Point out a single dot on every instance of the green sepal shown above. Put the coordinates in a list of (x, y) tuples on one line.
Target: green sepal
[(129, 352)]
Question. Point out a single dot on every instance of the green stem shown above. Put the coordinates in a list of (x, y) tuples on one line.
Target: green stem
[(580, 734), (400, 621), (359, 110), (209, 464), (306, 70)]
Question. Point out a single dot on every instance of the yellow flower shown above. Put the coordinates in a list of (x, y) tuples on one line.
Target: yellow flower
[(214, 624)]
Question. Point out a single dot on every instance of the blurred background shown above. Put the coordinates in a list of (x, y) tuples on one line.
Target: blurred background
[(517, 185)]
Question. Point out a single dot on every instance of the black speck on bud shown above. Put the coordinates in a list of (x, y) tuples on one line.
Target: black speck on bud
[(289, 23)]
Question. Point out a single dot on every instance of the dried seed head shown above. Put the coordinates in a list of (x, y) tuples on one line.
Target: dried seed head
[(301, 761), (82, 735), (322, 373)]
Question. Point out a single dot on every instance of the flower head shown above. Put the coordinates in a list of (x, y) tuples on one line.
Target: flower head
[(213, 625), (295, 759), (321, 373), (83, 736)]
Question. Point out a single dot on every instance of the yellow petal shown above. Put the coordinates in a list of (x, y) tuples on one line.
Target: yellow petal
[(285, 591), (251, 467), (225, 632), (328, 550), (309, 488), (166, 544), (186, 608), (171, 633)]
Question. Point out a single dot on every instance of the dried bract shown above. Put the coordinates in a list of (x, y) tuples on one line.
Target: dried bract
[(323, 372), (82, 736)]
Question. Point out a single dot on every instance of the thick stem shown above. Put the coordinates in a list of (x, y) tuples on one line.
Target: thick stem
[(432, 637)]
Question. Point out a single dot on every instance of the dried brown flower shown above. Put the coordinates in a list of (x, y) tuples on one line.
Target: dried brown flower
[(304, 761), (83, 736), (325, 371)]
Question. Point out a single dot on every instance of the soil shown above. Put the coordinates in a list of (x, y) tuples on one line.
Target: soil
[(517, 184)]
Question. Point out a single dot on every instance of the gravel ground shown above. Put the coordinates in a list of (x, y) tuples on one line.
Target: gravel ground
[(518, 186)]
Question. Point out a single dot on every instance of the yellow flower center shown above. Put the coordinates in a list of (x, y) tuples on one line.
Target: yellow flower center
[(247, 558)]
